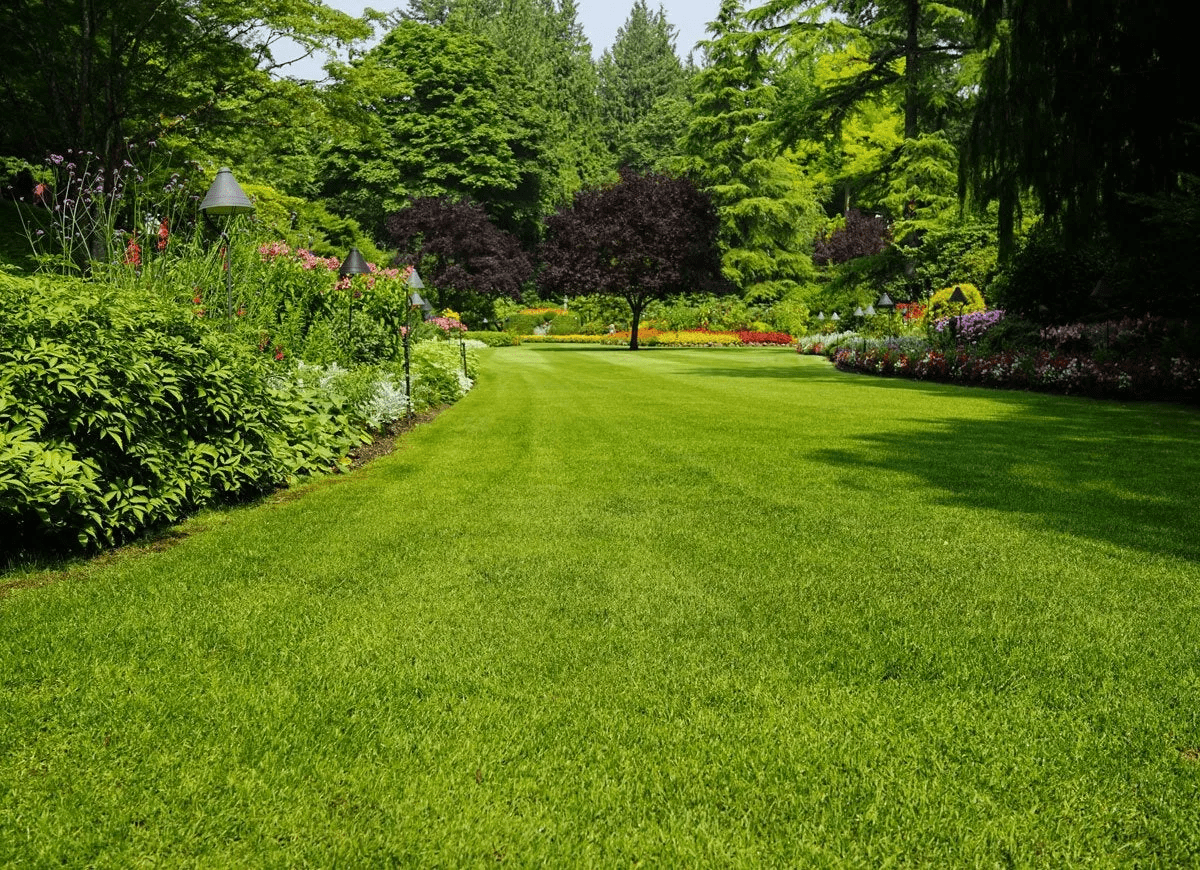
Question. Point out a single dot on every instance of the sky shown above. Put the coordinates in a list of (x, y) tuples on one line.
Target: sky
[(600, 20)]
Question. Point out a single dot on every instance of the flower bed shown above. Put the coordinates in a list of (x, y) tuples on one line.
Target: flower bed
[(651, 337), (1179, 378)]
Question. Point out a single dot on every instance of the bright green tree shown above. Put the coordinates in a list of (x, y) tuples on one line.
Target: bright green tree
[(440, 111), (769, 210)]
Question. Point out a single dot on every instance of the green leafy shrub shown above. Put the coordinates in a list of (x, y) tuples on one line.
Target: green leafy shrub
[(437, 373), (494, 339), (565, 324), (119, 411), (940, 305)]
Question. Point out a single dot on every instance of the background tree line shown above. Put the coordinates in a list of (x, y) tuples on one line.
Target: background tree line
[(847, 147)]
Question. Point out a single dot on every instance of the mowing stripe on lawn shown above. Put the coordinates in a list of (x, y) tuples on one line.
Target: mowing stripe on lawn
[(676, 607)]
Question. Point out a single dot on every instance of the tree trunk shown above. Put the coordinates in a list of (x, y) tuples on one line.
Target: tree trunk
[(637, 316), (912, 47)]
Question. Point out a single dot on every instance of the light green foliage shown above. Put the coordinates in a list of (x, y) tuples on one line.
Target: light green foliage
[(440, 112), (769, 209), (438, 373), (309, 224), (120, 412), (940, 305), (922, 190), (708, 312)]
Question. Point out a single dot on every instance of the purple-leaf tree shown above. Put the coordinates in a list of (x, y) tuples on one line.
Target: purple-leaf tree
[(862, 236), (646, 237), (457, 248)]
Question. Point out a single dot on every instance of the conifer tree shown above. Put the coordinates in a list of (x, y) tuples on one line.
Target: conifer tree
[(769, 210), (635, 74)]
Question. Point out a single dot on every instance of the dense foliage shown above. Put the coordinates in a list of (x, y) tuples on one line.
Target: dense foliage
[(459, 251), (119, 411)]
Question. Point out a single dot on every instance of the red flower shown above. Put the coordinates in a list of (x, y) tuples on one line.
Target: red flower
[(133, 252), (163, 235)]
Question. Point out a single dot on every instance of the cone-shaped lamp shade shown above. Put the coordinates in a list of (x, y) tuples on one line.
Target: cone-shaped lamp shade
[(885, 301), (355, 264), (858, 312), (958, 297), (834, 316), (415, 282), (415, 300), (225, 196)]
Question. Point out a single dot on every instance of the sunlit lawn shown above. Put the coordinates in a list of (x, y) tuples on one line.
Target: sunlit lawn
[(683, 608)]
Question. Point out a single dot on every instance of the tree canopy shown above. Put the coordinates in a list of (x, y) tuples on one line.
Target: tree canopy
[(459, 251), (646, 237), (440, 112)]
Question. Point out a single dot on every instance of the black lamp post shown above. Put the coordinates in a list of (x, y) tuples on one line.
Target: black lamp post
[(354, 264), (225, 196), (959, 298), (415, 303)]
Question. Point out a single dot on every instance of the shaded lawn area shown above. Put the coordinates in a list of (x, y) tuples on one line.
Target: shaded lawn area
[(681, 607)]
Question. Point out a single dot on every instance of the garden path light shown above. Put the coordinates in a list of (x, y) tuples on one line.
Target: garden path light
[(226, 197)]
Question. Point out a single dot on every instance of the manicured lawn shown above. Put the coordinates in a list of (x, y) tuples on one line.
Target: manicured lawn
[(686, 608)]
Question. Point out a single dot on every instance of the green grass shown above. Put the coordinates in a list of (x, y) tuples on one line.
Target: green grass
[(678, 607)]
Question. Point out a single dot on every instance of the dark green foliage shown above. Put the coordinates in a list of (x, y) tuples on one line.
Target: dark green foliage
[(640, 70), (1051, 281), (441, 112), (547, 46), (95, 74), (1092, 107), (119, 412)]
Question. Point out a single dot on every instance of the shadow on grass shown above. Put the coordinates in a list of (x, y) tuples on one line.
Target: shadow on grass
[(1125, 475)]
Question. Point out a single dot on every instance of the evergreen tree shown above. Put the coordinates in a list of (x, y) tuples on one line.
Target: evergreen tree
[(912, 47), (547, 46), (635, 74), (769, 210)]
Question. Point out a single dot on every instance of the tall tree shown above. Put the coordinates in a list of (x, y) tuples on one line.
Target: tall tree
[(94, 74), (548, 46), (911, 46), (635, 74), (769, 210), (440, 112), (646, 237), (1065, 112)]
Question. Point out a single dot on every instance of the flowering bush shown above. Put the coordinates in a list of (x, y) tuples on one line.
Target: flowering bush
[(970, 328), (447, 324), (1038, 370)]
